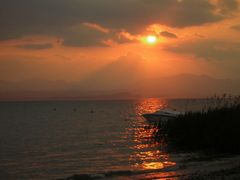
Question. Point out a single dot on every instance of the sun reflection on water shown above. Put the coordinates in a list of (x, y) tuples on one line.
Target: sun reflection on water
[(147, 153), (153, 165), (149, 105)]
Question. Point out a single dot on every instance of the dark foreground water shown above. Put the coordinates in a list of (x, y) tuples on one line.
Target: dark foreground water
[(50, 140)]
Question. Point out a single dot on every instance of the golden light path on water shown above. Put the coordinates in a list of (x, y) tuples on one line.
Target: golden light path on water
[(147, 153)]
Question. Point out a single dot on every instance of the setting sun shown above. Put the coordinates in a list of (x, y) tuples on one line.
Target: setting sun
[(151, 39)]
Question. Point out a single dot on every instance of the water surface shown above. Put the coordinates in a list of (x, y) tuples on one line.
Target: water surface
[(49, 140)]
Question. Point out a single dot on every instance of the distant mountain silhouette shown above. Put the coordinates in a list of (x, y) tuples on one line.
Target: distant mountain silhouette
[(188, 85), (35, 85), (121, 86), (118, 75)]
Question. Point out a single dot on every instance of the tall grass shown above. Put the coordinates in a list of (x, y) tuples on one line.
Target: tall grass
[(216, 127)]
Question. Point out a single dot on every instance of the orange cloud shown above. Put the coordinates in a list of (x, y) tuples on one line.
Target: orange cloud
[(97, 27)]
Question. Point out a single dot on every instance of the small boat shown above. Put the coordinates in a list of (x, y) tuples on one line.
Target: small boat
[(162, 115)]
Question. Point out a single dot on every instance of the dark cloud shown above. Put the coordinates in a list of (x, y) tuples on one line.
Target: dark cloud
[(227, 6), (209, 49), (54, 17), (36, 46), (168, 34), (83, 36)]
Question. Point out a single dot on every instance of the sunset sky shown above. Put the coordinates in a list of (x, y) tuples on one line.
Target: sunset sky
[(107, 45)]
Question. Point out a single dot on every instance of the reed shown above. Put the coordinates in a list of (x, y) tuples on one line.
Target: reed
[(215, 128)]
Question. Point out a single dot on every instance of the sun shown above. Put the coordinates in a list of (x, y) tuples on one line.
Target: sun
[(151, 39)]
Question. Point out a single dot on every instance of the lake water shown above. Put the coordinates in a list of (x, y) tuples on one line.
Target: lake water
[(50, 140)]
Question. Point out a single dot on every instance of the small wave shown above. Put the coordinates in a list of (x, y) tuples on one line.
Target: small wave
[(112, 174), (85, 177)]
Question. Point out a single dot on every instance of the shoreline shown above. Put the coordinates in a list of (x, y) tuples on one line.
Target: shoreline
[(218, 168)]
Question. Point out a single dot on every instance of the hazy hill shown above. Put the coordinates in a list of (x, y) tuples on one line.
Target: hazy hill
[(188, 85), (180, 86), (118, 75)]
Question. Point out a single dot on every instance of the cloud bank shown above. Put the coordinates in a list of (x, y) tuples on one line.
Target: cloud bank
[(67, 19)]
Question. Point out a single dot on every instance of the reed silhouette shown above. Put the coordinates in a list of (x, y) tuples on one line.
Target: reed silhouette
[(215, 128)]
